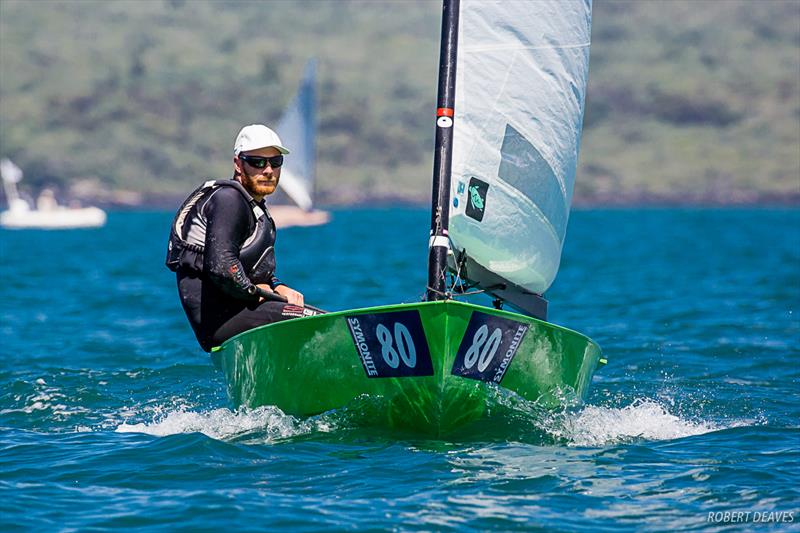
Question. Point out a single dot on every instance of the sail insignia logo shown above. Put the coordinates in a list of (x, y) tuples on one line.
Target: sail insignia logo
[(475, 198), (476, 202)]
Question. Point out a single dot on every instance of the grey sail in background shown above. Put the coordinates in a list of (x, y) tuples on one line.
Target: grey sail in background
[(298, 131), (521, 84)]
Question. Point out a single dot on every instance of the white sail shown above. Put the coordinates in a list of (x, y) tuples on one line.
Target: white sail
[(520, 87), (10, 172), (297, 129)]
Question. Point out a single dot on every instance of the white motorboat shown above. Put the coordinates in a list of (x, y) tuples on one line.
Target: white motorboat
[(47, 214)]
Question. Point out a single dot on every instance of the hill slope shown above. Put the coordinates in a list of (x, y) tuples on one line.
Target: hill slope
[(687, 101)]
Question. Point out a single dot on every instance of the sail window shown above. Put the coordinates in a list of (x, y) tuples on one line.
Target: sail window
[(524, 168)]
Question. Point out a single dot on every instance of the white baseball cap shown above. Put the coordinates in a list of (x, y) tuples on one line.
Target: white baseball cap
[(257, 136)]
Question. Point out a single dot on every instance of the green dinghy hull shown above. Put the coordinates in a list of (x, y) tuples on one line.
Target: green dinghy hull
[(426, 367)]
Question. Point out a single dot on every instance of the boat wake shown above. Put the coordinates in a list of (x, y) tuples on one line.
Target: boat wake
[(643, 419), (589, 426), (509, 418), (264, 424)]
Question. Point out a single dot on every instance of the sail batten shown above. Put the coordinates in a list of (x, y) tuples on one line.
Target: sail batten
[(520, 90), (512, 46)]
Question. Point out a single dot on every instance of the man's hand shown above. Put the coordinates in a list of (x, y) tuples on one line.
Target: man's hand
[(267, 288), (290, 294)]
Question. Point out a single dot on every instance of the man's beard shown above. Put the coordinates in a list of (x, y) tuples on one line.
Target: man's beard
[(258, 188)]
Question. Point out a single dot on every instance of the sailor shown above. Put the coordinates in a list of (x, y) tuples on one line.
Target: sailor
[(222, 246)]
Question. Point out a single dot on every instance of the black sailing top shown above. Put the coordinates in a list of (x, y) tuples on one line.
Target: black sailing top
[(228, 238)]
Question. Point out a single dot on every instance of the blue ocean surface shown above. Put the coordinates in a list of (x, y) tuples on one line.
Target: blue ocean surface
[(112, 417)]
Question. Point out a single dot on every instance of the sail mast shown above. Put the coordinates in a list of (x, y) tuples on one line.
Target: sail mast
[(443, 153)]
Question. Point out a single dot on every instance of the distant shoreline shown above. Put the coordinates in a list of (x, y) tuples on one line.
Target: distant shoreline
[(621, 200)]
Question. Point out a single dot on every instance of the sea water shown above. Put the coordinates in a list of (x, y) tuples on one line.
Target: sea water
[(111, 416)]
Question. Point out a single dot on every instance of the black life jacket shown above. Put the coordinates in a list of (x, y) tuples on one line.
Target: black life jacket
[(257, 254)]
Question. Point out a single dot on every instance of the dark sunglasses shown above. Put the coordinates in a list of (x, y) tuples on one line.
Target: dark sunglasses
[(257, 161)]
